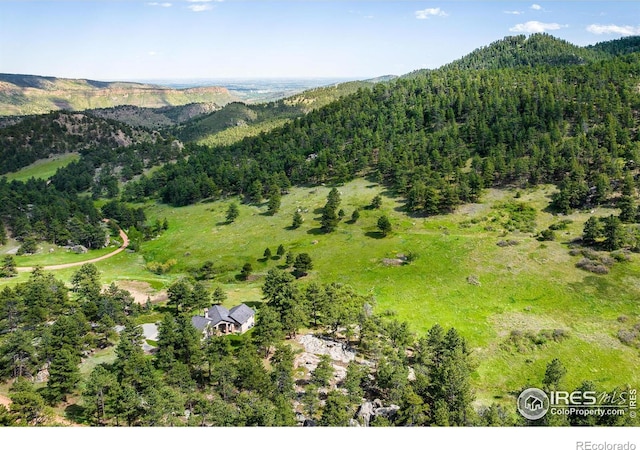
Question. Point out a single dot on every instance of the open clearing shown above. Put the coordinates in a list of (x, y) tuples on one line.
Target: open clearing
[(43, 168), (532, 286)]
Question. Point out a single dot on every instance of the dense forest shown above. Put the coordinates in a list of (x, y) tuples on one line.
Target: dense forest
[(439, 138)]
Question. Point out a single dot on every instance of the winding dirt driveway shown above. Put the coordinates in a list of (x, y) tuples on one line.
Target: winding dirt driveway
[(125, 244)]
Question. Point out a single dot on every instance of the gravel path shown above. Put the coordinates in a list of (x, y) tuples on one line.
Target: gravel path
[(125, 244)]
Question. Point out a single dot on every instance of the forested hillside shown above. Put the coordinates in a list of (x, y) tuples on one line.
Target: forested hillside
[(37, 137), (440, 137)]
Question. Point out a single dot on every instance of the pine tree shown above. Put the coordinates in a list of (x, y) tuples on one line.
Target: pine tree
[(355, 216), (592, 231), (3, 234), (218, 296), (384, 225), (232, 212), (376, 202), (63, 375), (281, 251), (274, 202), (297, 220), (302, 264), (267, 254), (553, 374), (613, 233), (246, 271)]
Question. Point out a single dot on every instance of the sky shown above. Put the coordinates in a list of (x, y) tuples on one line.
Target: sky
[(208, 39)]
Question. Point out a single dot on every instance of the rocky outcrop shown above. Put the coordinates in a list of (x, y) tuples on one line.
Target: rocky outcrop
[(368, 412)]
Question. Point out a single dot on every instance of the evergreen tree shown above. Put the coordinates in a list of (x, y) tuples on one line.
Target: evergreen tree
[(281, 251), (63, 375), (355, 216), (322, 374), (99, 394), (384, 225), (329, 219), (219, 296), (302, 265), (553, 374), (628, 209), (232, 212), (86, 282), (376, 203), (290, 259), (8, 268), (267, 254), (613, 233), (297, 220), (336, 412), (27, 405), (274, 202), (246, 271), (3, 234), (180, 295), (592, 231), (268, 329)]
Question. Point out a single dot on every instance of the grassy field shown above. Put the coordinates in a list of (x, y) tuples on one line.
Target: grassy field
[(461, 278), (44, 168)]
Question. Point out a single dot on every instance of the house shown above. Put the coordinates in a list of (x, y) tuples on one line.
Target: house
[(218, 320)]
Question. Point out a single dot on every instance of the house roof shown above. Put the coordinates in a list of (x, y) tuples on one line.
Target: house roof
[(241, 313), (238, 314), (218, 313), (199, 322)]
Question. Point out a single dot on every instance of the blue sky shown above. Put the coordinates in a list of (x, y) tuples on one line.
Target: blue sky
[(187, 39)]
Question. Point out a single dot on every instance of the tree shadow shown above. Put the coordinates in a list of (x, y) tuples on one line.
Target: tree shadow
[(253, 304), (76, 414), (375, 234), (226, 222), (316, 231), (318, 211)]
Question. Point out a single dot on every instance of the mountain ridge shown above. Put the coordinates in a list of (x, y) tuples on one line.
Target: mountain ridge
[(33, 94)]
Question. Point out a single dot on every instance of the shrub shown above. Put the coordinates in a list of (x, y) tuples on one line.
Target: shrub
[(161, 268), (562, 225), (620, 256), (592, 266), (547, 235)]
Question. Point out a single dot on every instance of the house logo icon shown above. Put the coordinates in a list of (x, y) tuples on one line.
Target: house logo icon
[(533, 403)]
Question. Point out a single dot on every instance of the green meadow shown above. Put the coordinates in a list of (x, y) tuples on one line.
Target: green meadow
[(43, 168), (459, 278)]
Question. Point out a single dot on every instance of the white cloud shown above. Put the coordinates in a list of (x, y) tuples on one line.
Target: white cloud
[(200, 7), (536, 7), (625, 30), (533, 26), (164, 4), (515, 13), (430, 12)]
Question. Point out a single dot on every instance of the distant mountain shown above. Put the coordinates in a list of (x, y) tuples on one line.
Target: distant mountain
[(31, 94)]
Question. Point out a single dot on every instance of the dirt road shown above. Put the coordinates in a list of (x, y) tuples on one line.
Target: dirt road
[(125, 244)]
